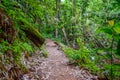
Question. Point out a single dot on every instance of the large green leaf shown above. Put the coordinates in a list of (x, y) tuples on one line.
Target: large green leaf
[(117, 29), (107, 30)]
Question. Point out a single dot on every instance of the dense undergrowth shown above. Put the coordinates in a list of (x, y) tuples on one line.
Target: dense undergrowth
[(98, 63), (80, 58), (16, 45)]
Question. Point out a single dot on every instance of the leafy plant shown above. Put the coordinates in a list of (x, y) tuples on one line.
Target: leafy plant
[(80, 57), (44, 51)]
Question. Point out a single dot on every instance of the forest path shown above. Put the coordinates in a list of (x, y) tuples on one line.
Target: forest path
[(55, 66)]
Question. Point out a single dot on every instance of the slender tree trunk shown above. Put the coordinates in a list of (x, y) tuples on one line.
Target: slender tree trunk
[(83, 22), (46, 21), (63, 30), (57, 17), (74, 24), (56, 32)]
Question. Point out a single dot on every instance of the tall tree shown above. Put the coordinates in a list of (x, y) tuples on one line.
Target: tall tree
[(57, 17)]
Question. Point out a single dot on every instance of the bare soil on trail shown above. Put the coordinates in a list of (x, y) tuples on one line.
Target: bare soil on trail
[(55, 66)]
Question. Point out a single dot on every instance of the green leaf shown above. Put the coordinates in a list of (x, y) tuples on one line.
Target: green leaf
[(27, 47), (117, 29), (107, 30)]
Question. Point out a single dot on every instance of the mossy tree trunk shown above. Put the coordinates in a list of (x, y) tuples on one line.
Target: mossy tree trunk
[(34, 35), (14, 69), (8, 31)]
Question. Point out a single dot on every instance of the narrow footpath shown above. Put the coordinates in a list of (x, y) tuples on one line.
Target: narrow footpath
[(55, 66)]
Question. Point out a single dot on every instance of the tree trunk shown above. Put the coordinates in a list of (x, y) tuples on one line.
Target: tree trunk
[(74, 24), (57, 16), (63, 30), (9, 32)]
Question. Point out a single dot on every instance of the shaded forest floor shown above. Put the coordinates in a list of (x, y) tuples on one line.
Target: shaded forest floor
[(55, 66)]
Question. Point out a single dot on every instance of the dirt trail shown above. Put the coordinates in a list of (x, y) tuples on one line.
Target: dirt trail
[(55, 67), (56, 64)]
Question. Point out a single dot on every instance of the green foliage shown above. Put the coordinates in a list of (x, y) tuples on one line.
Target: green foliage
[(3, 46), (107, 30), (117, 28), (27, 47), (80, 57), (17, 48), (85, 22), (115, 70), (44, 51)]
